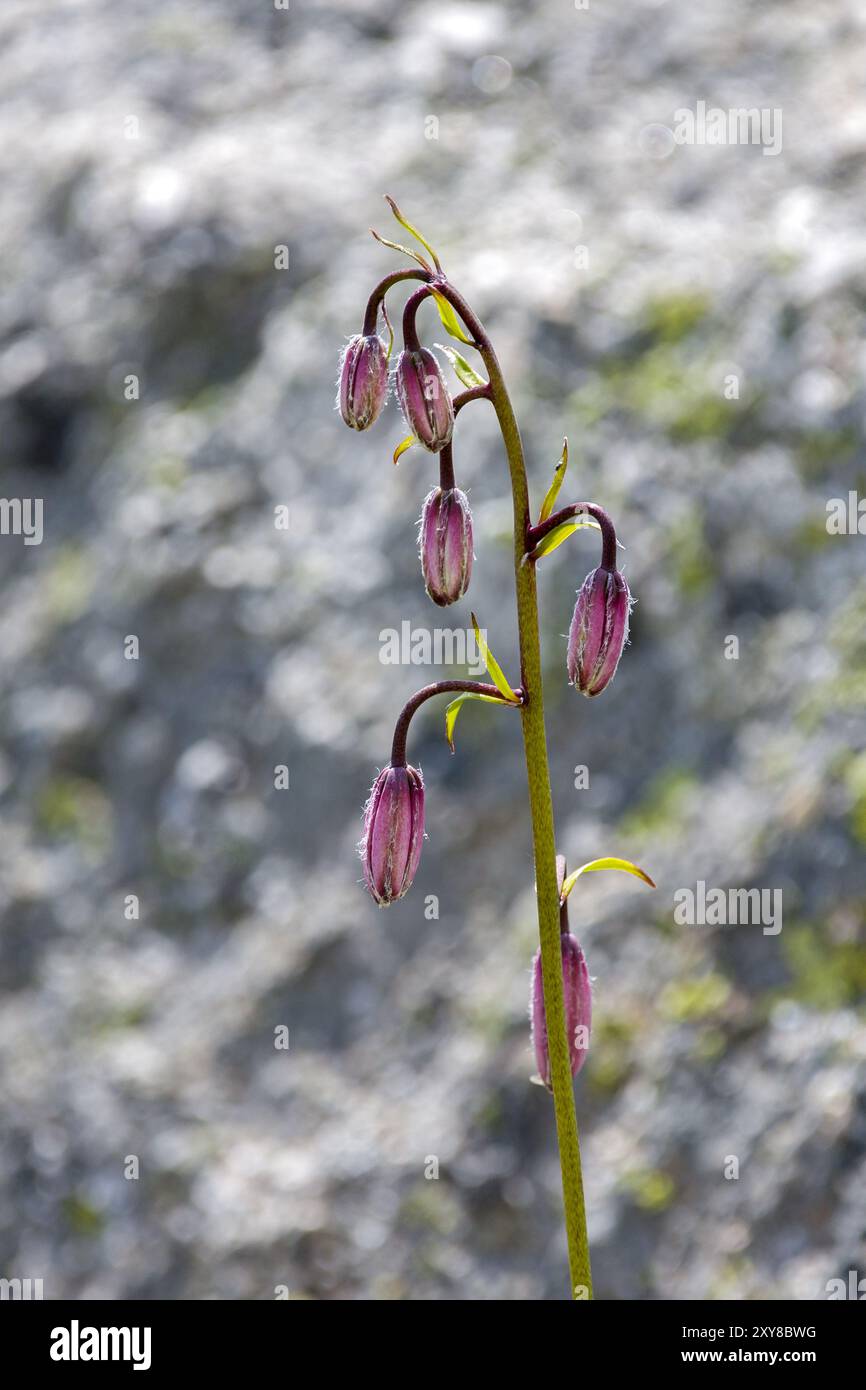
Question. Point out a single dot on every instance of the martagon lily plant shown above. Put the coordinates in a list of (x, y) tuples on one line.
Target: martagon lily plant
[(560, 998)]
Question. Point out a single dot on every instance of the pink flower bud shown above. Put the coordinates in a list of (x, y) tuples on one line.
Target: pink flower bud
[(599, 630), (424, 399), (363, 380), (446, 544), (578, 1008), (393, 832)]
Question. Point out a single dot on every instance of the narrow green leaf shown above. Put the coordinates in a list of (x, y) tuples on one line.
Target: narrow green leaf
[(403, 446), (404, 222), (560, 533), (553, 490), (624, 865), (450, 321), (456, 706), (464, 371), (390, 332), (395, 246), (493, 667)]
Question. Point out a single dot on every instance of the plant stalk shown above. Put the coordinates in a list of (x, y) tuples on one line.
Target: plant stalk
[(427, 692), (541, 811)]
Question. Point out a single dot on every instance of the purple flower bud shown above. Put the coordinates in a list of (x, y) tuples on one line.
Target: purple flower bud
[(599, 630), (424, 399), (393, 832), (446, 544), (363, 380), (578, 1008)]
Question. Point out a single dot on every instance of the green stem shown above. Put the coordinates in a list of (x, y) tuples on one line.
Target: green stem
[(541, 811)]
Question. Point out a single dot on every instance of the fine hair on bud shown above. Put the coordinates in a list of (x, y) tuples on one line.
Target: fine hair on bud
[(363, 384), (424, 398), (599, 630), (445, 541), (393, 833)]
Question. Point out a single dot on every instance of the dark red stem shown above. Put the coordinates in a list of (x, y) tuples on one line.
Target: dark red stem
[(475, 393), (608, 533), (410, 333), (446, 469), (371, 317), (401, 729), (447, 290)]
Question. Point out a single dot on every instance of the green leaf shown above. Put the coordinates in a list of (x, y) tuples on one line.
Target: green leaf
[(456, 706), (404, 222), (390, 332), (450, 321), (463, 370), (560, 533), (396, 246), (403, 446), (493, 667), (624, 865), (553, 490)]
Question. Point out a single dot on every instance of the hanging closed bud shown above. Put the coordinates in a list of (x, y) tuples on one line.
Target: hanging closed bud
[(599, 630), (363, 380), (424, 398), (446, 544), (577, 993), (393, 832)]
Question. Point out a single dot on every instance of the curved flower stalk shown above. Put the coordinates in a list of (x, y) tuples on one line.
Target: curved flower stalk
[(394, 815), (599, 627)]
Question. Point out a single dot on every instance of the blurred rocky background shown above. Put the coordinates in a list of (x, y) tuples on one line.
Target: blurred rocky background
[(704, 354)]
